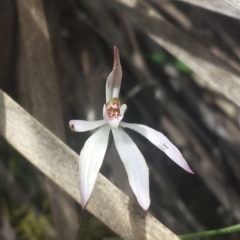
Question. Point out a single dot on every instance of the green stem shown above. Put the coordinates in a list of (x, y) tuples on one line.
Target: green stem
[(233, 228)]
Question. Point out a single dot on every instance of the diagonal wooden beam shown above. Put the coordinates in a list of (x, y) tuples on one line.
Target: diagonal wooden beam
[(57, 161)]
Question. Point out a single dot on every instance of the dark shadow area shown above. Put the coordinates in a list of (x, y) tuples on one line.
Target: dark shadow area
[(2, 114), (137, 220)]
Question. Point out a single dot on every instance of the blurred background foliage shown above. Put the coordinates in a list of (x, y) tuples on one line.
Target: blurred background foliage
[(62, 77)]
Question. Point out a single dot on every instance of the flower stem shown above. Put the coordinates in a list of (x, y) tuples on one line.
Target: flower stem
[(226, 230)]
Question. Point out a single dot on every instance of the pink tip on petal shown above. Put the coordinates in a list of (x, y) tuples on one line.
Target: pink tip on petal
[(190, 171), (71, 125), (84, 203), (145, 205), (83, 206), (116, 56), (187, 168)]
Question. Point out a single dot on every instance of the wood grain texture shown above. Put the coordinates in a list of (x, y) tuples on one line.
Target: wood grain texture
[(57, 161)]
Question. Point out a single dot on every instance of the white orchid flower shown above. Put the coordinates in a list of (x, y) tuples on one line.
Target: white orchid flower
[(92, 154)]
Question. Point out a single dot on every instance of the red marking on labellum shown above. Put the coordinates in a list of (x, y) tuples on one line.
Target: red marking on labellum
[(71, 125), (113, 108)]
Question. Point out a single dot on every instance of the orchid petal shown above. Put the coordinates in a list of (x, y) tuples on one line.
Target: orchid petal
[(114, 123), (161, 142), (123, 110), (91, 158), (114, 79), (135, 165), (83, 126)]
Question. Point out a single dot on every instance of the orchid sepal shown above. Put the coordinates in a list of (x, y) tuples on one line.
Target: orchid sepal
[(135, 166), (83, 126), (161, 142), (114, 79), (90, 161)]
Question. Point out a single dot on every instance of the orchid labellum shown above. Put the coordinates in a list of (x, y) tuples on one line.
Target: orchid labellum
[(93, 151)]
